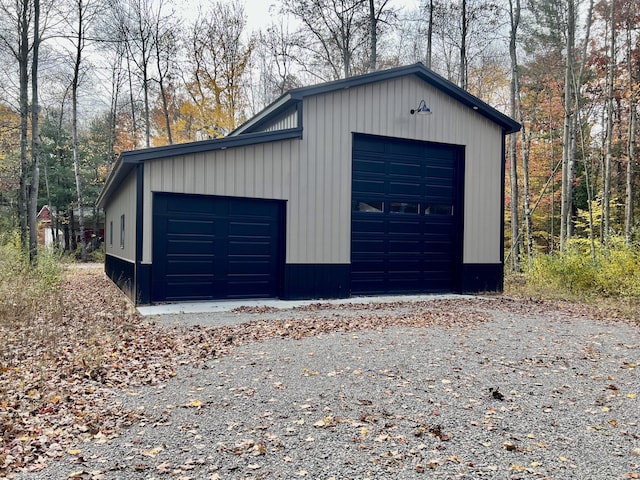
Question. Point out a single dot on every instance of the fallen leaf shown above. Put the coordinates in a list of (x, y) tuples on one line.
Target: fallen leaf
[(151, 452)]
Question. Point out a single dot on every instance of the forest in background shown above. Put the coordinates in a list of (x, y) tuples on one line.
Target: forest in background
[(83, 80)]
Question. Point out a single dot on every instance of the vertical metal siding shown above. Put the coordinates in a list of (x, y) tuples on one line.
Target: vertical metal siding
[(314, 173), (123, 203), (383, 109), (257, 171), (288, 119)]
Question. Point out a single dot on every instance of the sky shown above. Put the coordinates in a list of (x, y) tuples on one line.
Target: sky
[(259, 14)]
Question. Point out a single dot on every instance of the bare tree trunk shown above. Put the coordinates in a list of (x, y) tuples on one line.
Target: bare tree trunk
[(568, 130), (35, 137), (23, 65), (162, 73), (74, 126), (116, 79), (132, 101), (515, 224), (583, 143), (631, 145), (608, 156), (373, 31), (463, 47), (430, 35)]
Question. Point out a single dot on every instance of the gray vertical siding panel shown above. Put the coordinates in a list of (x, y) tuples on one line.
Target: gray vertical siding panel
[(288, 119), (383, 109), (260, 171), (123, 203)]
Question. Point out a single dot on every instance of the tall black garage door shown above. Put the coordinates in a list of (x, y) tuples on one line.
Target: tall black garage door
[(207, 247), (406, 216)]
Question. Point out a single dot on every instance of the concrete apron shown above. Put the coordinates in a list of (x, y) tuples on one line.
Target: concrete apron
[(228, 305)]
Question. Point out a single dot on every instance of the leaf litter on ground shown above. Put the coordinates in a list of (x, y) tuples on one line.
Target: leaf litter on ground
[(60, 377)]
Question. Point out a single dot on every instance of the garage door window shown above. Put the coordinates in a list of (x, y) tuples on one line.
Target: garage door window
[(404, 207), (368, 206), (438, 210)]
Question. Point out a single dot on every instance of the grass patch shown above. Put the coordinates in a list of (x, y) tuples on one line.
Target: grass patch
[(611, 281)]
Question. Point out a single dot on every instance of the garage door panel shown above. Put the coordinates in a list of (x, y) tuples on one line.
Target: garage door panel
[(191, 225), (402, 169), (189, 244), (187, 291), (255, 267), (250, 247), (412, 244), (403, 224), (364, 247), (404, 247), (189, 265), (369, 185), (404, 189), (230, 249), (252, 229), (437, 171), (372, 164)]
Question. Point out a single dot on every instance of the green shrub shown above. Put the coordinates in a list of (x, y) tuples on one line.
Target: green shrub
[(615, 271)]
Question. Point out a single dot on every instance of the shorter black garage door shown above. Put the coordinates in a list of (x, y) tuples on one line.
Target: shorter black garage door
[(406, 223), (209, 247)]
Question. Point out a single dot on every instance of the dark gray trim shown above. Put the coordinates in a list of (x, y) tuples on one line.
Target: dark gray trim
[(482, 277), (122, 273), (143, 284), (136, 156), (306, 281), (502, 193), (418, 69), (142, 277)]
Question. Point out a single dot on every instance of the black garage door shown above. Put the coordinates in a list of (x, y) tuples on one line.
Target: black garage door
[(406, 216), (207, 247)]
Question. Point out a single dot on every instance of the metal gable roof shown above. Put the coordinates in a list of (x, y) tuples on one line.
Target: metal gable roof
[(296, 95)]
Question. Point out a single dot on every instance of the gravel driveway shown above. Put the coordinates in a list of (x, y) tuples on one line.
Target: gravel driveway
[(505, 391)]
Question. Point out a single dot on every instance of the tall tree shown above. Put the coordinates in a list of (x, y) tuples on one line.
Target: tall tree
[(514, 15), (632, 46), (35, 136), (218, 59), (568, 137), (166, 48), (378, 15), (429, 55), (20, 36), (609, 101), (334, 33), (85, 12)]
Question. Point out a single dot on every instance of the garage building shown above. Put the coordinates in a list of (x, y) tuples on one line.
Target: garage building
[(385, 183)]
